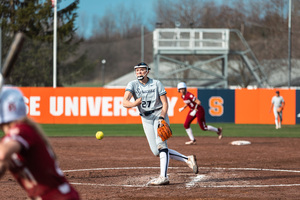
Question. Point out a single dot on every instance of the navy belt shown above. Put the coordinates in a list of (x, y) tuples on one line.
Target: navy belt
[(149, 112)]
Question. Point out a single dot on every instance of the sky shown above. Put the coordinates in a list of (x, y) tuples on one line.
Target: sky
[(88, 9)]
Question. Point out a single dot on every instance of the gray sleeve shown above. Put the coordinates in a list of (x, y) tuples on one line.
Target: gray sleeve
[(130, 87), (161, 89)]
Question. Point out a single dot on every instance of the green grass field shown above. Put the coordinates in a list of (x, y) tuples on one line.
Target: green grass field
[(229, 130)]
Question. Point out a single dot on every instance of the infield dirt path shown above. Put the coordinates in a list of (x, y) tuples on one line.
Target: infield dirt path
[(121, 167)]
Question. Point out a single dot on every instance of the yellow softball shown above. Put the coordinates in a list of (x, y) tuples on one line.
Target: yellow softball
[(99, 135)]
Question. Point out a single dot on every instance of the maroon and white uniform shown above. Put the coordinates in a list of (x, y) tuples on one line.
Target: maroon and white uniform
[(35, 168), (189, 99)]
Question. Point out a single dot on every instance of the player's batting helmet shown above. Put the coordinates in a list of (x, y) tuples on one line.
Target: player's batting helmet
[(181, 85), (12, 105)]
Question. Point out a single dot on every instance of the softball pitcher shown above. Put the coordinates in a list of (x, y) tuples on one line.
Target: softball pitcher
[(150, 98), (277, 104), (196, 110)]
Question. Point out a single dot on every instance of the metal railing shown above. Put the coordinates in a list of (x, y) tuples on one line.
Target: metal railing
[(189, 41)]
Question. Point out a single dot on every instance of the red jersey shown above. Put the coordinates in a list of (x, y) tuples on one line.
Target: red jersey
[(189, 99), (35, 167)]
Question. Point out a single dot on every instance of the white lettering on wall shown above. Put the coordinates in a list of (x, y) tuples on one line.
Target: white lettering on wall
[(34, 105), (83, 110), (86, 106), (91, 105), (133, 111), (56, 106), (94, 105), (71, 106), (172, 104), (26, 100), (106, 106), (118, 107)]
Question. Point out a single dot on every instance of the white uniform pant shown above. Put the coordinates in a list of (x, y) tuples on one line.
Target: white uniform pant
[(150, 125), (277, 114)]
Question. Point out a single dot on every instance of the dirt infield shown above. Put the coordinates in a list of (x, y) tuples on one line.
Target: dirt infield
[(121, 167)]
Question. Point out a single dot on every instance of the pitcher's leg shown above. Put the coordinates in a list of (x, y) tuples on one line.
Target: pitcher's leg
[(189, 160)]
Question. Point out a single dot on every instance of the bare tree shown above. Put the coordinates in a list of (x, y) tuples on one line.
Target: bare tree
[(129, 21), (107, 27), (124, 23), (264, 25), (83, 25), (188, 12)]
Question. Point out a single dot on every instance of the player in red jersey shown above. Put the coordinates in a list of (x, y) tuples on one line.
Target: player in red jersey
[(26, 152), (196, 110)]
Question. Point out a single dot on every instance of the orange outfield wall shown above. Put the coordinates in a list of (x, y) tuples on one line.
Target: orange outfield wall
[(90, 106), (253, 106)]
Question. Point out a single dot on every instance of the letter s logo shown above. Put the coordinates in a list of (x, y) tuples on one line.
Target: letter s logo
[(216, 107)]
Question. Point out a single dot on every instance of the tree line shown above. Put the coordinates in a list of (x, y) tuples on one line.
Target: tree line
[(117, 36)]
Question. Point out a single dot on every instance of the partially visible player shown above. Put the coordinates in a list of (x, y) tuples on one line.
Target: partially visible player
[(27, 154), (151, 99), (277, 103), (196, 110)]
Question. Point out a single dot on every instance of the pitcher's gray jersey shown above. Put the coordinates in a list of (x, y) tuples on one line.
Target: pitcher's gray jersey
[(150, 93)]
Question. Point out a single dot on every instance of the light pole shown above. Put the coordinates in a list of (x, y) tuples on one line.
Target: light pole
[(289, 43), (0, 48), (142, 43), (102, 71), (55, 44)]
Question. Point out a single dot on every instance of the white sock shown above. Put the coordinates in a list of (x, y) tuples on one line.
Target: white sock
[(164, 162), (276, 123), (211, 128), (190, 134), (177, 156)]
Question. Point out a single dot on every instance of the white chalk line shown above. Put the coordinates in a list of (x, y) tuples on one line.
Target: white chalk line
[(114, 168), (256, 169), (248, 186), (108, 185), (195, 180), (207, 168)]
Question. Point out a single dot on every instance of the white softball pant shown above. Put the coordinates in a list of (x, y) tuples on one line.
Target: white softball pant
[(276, 114), (150, 124)]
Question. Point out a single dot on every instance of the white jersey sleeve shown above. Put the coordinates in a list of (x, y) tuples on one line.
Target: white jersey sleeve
[(150, 93)]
